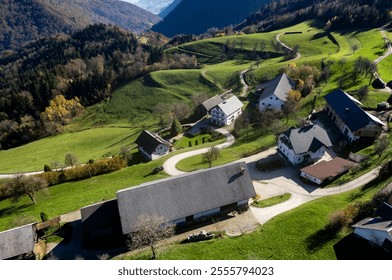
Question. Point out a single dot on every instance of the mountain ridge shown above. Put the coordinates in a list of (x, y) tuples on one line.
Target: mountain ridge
[(196, 17), (30, 20)]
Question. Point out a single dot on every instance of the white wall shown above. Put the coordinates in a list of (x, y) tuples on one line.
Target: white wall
[(310, 178), (272, 102)]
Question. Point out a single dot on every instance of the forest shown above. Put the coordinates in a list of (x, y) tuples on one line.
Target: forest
[(334, 14), (87, 65)]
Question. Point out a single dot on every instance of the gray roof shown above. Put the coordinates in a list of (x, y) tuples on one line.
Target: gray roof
[(278, 86), (230, 105), (308, 138), (376, 224), (212, 102), (150, 141), (185, 195)]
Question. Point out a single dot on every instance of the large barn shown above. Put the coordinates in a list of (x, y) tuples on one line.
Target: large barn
[(189, 197)]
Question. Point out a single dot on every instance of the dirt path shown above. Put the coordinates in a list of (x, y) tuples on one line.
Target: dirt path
[(384, 56), (297, 55)]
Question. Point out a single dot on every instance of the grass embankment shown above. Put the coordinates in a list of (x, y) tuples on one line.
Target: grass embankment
[(244, 146), (295, 235), (263, 203)]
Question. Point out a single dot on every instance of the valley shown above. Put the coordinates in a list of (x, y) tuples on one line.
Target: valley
[(116, 122)]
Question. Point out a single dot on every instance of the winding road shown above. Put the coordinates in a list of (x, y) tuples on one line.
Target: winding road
[(273, 183)]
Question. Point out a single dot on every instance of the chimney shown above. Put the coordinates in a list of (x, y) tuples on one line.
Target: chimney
[(347, 110), (242, 171)]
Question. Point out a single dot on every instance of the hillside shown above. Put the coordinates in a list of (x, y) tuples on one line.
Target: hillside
[(333, 14), (89, 65), (169, 8), (196, 17), (24, 21)]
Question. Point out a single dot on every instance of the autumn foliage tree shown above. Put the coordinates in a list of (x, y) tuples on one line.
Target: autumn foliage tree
[(61, 111)]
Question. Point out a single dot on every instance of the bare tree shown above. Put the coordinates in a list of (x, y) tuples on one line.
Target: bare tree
[(149, 229), (211, 155), (126, 154), (22, 185), (70, 159)]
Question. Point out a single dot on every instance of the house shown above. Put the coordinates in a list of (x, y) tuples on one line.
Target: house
[(354, 123), (206, 107), (152, 146), (371, 239), (226, 112), (187, 198), (303, 145), (326, 170), (377, 229), (274, 92)]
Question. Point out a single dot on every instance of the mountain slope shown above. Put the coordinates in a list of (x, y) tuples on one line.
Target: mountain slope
[(23, 21), (196, 17), (154, 6), (169, 8)]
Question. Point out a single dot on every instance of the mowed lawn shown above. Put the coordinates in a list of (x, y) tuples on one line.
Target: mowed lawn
[(88, 144)]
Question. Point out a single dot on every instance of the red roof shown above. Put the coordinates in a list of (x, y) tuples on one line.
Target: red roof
[(328, 169)]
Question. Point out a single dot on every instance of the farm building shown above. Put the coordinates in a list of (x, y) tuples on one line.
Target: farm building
[(227, 111), (187, 198), (152, 146), (326, 170), (303, 145), (354, 123), (274, 92)]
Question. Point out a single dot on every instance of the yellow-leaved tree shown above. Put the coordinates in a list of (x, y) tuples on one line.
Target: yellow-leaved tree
[(61, 111)]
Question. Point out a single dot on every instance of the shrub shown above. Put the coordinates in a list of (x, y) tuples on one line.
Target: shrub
[(84, 171), (44, 216), (47, 168), (336, 222)]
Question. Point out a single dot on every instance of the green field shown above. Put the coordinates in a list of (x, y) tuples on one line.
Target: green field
[(262, 203), (72, 196), (88, 144)]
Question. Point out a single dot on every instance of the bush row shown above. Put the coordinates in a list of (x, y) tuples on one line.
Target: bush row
[(84, 171)]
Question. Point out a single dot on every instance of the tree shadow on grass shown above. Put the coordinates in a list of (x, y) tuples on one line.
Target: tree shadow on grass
[(318, 239), (13, 209)]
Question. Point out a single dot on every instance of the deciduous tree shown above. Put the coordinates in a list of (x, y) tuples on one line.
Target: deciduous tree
[(22, 185), (149, 229), (211, 155)]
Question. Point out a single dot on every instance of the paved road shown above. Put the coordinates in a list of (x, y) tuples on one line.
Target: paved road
[(268, 184), (170, 165)]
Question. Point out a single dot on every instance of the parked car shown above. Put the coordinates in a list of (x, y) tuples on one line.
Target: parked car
[(202, 235)]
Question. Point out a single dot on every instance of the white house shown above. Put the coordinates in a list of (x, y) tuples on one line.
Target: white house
[(376, 230), (152, 146), (226, 112), (305, 144), (274, 92), (350, 118)]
